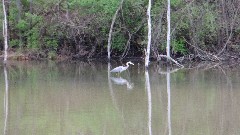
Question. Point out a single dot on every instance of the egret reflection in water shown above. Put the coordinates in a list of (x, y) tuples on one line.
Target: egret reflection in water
[(122, 81)]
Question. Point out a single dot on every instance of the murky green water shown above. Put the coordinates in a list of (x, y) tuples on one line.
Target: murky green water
[(45, 98)]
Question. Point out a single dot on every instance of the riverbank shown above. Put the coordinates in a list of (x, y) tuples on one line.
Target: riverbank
[(228, 59)]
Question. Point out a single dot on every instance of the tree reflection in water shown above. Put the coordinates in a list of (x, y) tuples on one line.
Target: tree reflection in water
[(5, 100), (169, 101), (168, 78), (148, 87)]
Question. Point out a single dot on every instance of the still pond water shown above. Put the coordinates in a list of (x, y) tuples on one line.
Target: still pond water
[(77, 98)]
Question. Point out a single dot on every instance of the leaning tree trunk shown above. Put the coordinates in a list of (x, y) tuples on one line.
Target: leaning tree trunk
[(111, 29), (147, 52), (5, 31)]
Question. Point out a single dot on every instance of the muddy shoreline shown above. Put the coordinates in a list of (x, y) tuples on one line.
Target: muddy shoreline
[(227, 60)]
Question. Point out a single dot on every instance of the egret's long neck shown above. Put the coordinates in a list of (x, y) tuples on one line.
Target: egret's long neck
[(127, 64)]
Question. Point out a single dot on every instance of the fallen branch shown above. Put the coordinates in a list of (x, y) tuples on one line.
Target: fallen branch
[(130, 35), (169, 58), (230, 36), (210, 56), (225, 45), (127, 45)]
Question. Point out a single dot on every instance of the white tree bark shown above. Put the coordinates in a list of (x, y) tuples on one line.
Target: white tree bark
[(168, 57), (147, 52), (111, 29), (5, 32), (168, 29)]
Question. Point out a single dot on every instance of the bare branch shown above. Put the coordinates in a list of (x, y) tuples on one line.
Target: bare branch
[(210, 56), (230, 36)]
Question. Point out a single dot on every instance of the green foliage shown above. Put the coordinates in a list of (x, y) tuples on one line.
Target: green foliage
[(178, 46), (41, 24), (210, 23), (119, 42), (33, 39), (33, 18), (14, 43), (13, 13), (128, 22), (101, 7), (51, 43), (52, 55), (176, 2), (133, 13), (29, 27), (22, 25)]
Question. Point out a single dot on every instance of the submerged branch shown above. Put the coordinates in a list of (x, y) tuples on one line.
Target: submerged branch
[(171, 71), (169, 58)]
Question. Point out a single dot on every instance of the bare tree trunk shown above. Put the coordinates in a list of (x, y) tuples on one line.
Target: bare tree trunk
[(168, 57), (168, 30), (147, 52), (111, 29), (5, 32)]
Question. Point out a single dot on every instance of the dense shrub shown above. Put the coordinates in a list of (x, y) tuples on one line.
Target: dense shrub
[(81, 26)]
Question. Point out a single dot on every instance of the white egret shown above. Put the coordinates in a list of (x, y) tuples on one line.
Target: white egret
[(119, 69)]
